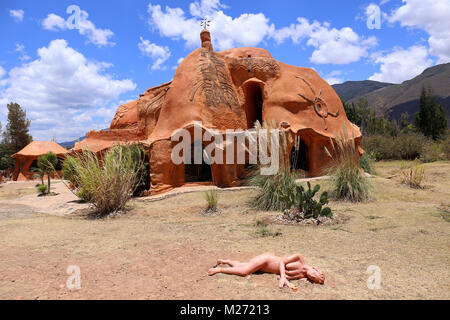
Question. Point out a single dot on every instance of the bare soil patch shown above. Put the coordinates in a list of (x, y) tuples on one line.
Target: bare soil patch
[(163, 249)]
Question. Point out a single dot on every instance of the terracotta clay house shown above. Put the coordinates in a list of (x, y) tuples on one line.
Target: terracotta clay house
[(223, 90), (26, 159)]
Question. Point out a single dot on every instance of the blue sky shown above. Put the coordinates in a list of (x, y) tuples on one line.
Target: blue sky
[(71, 80)]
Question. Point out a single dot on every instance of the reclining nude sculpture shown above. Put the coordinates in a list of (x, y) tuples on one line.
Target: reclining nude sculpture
[(288, 268)]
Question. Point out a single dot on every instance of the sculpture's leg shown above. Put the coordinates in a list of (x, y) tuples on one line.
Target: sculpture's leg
[(232, 263), (243, 269)]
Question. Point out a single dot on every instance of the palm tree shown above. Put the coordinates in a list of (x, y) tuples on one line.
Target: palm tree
[(47, 164)]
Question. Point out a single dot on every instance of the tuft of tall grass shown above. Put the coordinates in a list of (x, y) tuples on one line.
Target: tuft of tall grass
[(349, 182), (106, 183), (212, 198), (271, 186), (413, 175)]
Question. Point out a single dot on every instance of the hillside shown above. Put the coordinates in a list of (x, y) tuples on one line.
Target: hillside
[(353, 89), (393, 100), (70, 144)]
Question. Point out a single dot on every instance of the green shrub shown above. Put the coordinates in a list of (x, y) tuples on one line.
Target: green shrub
[(366, 162), (42, 189), (212, 198), (304, 201), (381, 147), (446, 146), (433, 151), (108, 184), (349, 182), (406, 146), (409, 146)]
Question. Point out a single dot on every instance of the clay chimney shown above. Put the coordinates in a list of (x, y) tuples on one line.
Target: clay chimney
[(205, 36)]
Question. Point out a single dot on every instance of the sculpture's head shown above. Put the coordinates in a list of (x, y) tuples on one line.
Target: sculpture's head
[(315, 275)]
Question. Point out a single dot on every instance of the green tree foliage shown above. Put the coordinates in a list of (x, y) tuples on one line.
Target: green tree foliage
[(361, 115), (16, 135), (5, 157), (430, 119)]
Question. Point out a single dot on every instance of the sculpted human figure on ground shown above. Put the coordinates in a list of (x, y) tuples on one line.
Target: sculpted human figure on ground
[(288, 267)]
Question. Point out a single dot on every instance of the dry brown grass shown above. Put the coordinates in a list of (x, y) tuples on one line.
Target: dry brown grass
[(163, 249)]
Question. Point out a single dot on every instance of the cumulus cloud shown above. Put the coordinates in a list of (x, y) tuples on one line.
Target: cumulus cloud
[(158, 54), (99, 37), (245, 30), (331, 45), (401, 64), (431, 16), (61, 91), (17, 15)]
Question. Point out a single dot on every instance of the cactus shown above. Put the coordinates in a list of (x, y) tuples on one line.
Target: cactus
[(304, 201)]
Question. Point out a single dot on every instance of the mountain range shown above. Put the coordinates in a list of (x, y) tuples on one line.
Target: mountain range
[(391, 100)]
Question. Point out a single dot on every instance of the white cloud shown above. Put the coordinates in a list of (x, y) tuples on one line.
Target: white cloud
[(17, 15), (401, 64), (333, 77), (158, 54), (331, 45), (205, 8), (21, 49), (99, 37), (61, 89), (2, 72), (54, 22), (245, 30), (433, 16)]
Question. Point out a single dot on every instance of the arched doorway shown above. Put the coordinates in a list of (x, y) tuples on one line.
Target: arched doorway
[(253, 104), (197, 172), (299, 158)]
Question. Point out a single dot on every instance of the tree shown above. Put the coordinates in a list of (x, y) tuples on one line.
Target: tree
[(16, 135), (365, 118), (47, 164), (430, 119)]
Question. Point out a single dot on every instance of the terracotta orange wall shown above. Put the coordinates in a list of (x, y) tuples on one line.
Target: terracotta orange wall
[(22, 170)]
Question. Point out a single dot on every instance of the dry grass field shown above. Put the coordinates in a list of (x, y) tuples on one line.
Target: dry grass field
[(163, 249)]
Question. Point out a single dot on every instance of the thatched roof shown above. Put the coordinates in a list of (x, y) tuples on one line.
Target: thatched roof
[(39, 148)]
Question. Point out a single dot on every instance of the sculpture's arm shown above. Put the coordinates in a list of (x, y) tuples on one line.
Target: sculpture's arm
[(293, 258), (283, 279)]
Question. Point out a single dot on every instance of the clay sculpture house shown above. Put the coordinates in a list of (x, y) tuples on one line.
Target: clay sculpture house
[(26, 159), (230, 89)]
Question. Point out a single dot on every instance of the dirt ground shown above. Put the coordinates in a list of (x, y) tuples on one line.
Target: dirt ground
[(163, 249)]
